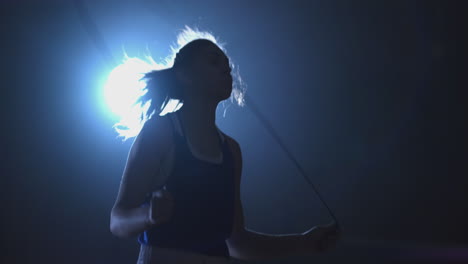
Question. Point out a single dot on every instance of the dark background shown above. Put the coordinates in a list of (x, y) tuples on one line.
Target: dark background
[(367, 95)]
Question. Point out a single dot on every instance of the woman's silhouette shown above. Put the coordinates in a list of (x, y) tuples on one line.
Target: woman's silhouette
[(180, 190)]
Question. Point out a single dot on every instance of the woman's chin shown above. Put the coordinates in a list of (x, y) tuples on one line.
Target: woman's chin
[(229, 90)]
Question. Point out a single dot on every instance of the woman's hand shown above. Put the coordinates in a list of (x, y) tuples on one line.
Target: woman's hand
[(161, 207), (322, 238)]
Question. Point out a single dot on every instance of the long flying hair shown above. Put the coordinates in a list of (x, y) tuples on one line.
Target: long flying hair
[(159, 92)]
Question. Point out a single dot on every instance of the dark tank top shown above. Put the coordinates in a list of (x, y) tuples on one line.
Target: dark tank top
[(203, 203)]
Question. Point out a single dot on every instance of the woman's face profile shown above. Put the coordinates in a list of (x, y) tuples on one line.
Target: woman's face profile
[(211, 73)]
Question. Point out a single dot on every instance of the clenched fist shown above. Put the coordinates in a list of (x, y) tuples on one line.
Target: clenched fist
[(161, 207)]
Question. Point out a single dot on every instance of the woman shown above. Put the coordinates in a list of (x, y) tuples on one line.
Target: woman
[(195, 215)]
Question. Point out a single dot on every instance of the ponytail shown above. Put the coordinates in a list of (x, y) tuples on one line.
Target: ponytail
[(161, 87)]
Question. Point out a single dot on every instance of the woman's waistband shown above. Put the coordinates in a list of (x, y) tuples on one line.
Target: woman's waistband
[(152, 254)]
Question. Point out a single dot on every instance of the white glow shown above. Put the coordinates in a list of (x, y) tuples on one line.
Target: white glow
[(121, 91), (123, 87)]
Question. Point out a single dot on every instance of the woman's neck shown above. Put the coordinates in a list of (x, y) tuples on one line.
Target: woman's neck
[(200, 115)]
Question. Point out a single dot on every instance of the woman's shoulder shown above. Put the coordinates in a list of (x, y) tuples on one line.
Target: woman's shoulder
[(162, 124), (157, 132)]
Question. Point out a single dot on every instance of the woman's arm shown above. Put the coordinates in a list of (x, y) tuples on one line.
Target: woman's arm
[(126, 223), (249, 245), (128, 218)]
